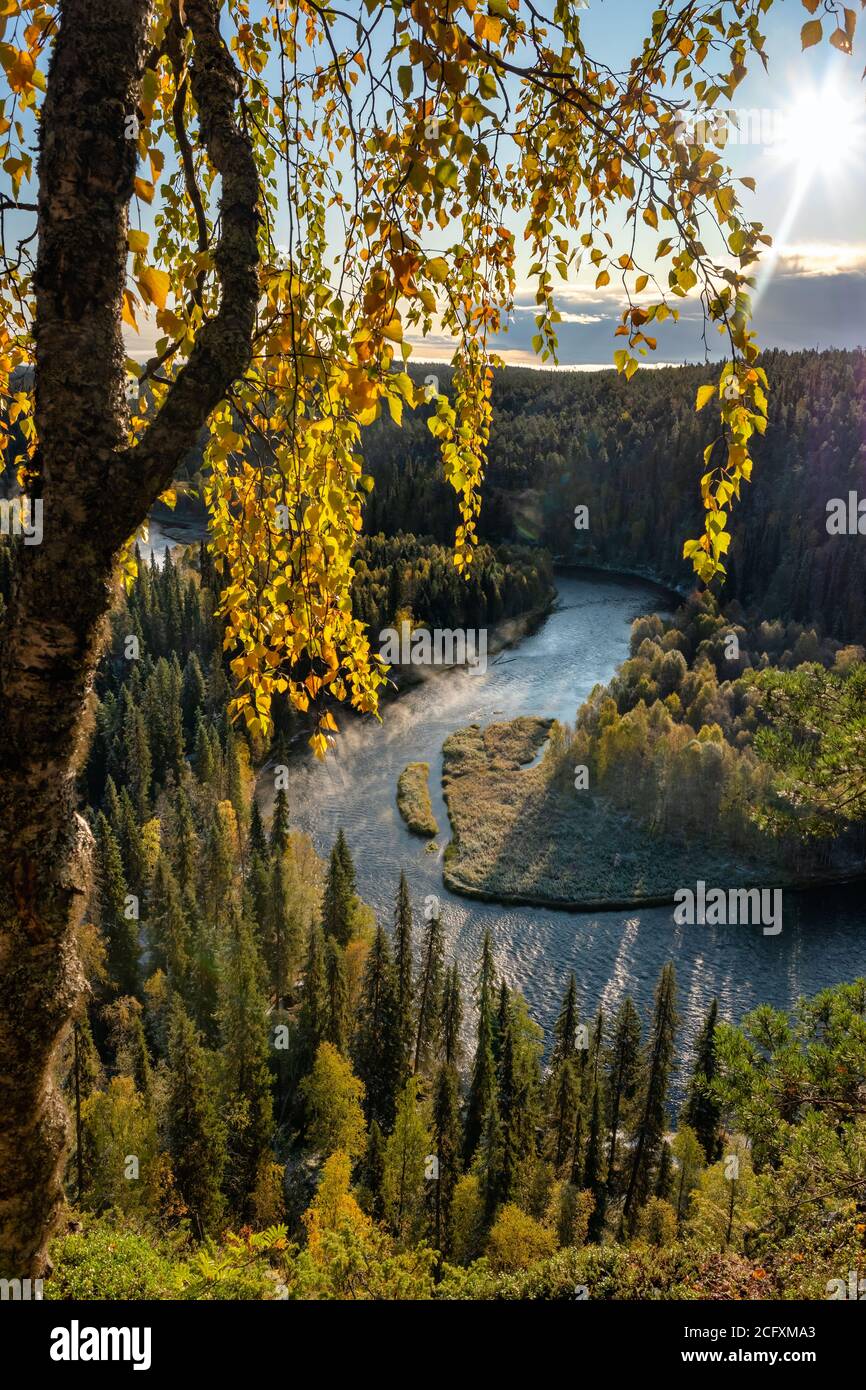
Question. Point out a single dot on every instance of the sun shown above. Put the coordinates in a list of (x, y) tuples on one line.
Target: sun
[(822, 134)]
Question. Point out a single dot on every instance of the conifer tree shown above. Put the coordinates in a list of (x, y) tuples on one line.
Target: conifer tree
[(202, 758), (452, 1018), (622, 1065), (313, 1011), (702, 1110), (565, 1027), (193, 695), (345, 858), (338, 901), (196, 1140), (246, 1079), (377, 1049), (336, 996), (234, 780), (592, 1169), (257, 842), (374, 1170), (186, 842), (131, 846), (482, 1088), (446, 1131), (652, 1110), (565, 1095), (136, 754), (168, 928), (403, 969), (429, 994), (280, 823), (119, 930), (664, 1173), (280, 930)]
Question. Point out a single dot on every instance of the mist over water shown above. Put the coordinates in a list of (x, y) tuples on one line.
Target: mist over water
[(611, 953)]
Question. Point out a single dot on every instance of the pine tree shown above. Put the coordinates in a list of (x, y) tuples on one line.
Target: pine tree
[(280, 823), (196, 1140), (429, 993), (702, 1111), (651, 1124), (622, 1063), (403, 968), (482, 1088), (120, 931), (377, 1051)]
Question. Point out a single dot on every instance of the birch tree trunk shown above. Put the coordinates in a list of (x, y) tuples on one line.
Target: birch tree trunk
[(96, 491)]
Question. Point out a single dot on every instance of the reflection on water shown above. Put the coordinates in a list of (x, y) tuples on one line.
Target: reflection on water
[(612, 953)]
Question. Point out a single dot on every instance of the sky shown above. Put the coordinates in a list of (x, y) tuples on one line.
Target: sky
[(806, 149), (807, 154)]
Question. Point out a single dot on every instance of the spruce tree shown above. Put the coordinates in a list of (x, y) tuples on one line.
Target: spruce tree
[(336, 997), (664, 1173), (452, 1018), (246, 1078), (429, 994), (592, 1170), (403, 969), (482, 1088), (622, 1065), (378, 1050), (565, 1027), (280, 823), (702, 1111), (338, 901), (119, 930), (652, 1111), (256, 841), (446, 1130), (196, 1140), (313, 1011)]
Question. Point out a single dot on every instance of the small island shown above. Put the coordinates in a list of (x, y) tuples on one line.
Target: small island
[(413, 800)]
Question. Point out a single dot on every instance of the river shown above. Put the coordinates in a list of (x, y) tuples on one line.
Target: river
[(611, 953)]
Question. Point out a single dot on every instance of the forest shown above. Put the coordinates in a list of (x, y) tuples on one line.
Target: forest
[(316, 1104), (626, 450)]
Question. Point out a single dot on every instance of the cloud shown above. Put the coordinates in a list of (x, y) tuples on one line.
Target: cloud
[(820, 258)]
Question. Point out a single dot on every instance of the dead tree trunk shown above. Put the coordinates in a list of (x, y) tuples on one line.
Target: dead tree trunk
[(96, 491)]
